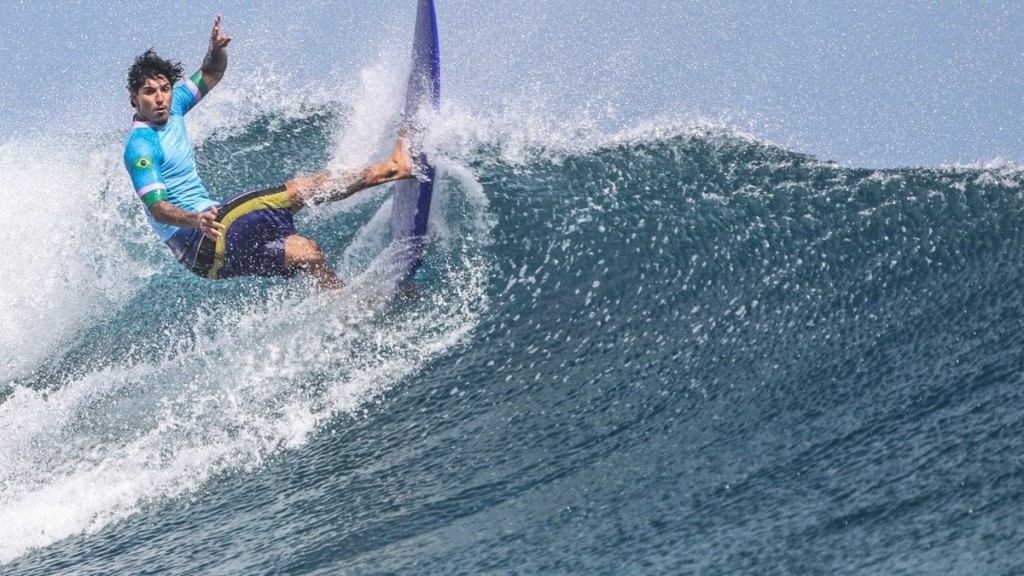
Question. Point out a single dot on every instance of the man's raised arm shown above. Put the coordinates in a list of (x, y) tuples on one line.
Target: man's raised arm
[(216, 60)]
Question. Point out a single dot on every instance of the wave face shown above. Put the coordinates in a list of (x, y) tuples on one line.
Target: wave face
[(676, 350)]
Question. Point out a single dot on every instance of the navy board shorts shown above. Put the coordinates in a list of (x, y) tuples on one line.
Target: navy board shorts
[(256, 224)]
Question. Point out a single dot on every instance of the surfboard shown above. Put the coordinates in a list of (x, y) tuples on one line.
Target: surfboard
[(410, 209)]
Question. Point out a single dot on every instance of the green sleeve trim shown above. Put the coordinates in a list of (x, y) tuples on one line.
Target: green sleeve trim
[(154, 196), (197, 79)]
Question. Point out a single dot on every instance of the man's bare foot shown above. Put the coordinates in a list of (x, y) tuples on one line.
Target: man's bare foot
[(400, 161)]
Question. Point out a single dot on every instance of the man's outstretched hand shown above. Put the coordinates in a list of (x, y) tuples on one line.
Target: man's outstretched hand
[(217, 38)]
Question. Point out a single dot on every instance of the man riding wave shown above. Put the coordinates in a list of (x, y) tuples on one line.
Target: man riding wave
[(251, 233)]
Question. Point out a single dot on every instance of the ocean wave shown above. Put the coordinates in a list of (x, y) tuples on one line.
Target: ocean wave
[(593, 302)]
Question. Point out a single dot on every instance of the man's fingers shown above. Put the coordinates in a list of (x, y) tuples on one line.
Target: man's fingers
[(218, 39), (209, 226)]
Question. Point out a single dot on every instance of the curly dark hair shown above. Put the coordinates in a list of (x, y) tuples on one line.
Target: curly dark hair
[(149, 65)]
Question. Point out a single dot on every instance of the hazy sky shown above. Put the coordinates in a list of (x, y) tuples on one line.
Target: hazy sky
[(869, 83)]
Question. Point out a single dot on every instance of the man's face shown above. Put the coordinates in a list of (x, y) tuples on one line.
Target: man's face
[(153, 100)]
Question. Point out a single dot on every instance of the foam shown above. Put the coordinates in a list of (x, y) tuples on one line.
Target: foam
[(61, 225), (237, 381)]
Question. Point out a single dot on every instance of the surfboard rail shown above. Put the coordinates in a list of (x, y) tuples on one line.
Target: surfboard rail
[(410, 212)]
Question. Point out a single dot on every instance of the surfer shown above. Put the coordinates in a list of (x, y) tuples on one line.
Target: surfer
[(249, 234)]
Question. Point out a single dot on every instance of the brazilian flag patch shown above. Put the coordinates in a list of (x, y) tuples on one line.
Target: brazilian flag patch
[(143, 163)]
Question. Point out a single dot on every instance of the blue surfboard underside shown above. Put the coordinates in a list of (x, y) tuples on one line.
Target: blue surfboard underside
[(411, 203)]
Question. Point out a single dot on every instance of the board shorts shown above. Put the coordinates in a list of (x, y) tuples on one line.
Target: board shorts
[(256, 224)]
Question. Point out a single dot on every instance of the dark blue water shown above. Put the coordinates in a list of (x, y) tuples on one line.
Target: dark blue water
[(685, 351)]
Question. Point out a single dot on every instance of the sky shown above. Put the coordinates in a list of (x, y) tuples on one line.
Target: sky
[(873, 83)]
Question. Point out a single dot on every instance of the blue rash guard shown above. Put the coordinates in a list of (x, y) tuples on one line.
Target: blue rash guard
[(162, 165), (161, 161)]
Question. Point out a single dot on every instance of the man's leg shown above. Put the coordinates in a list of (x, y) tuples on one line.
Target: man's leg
[(304, 254), (301, 252), (327, 187)]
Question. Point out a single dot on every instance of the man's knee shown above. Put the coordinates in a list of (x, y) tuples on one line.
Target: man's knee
[(302, 252)]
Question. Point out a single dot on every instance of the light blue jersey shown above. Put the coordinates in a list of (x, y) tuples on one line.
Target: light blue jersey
[(160, 160)]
